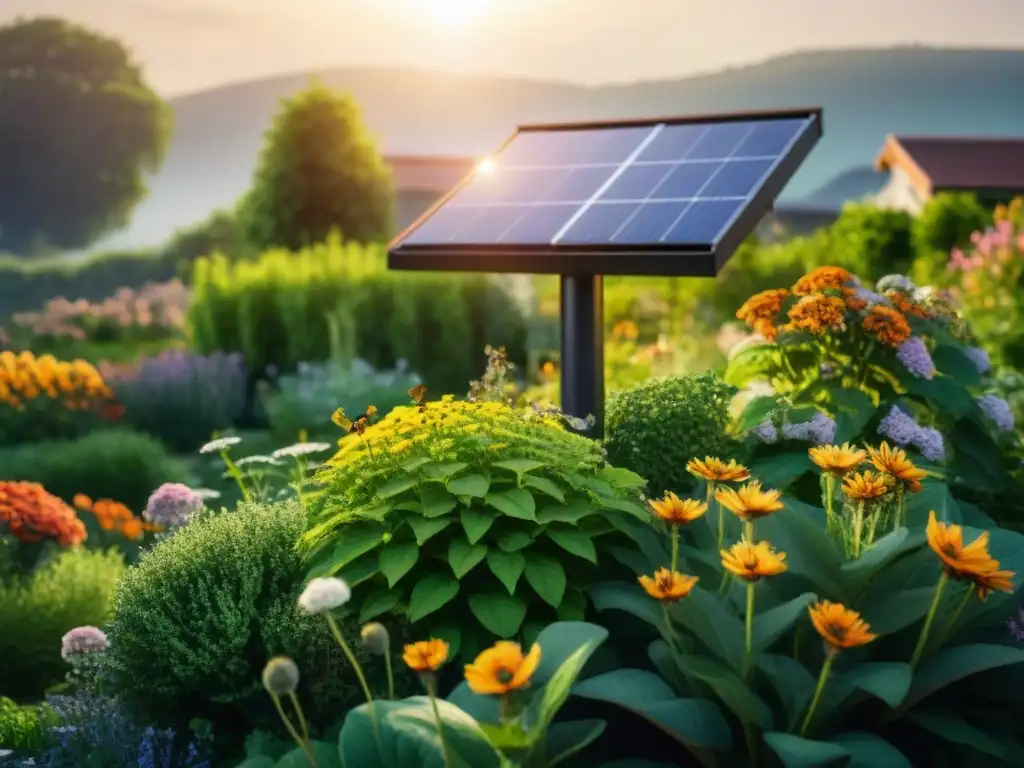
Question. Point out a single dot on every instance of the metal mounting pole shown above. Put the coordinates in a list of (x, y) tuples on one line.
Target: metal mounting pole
[(582, 364)]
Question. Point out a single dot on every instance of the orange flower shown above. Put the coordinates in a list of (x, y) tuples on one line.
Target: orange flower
[(818, 314), (761, 309), (894, 462), (839, 626), (31, 514), (866, 486), (837, 459), (906, 305), (714, 470), (82, 501), (426, 655), (750, 502), (822, 279), (502, 669), (992, 580), (853, 300), (751, 562), (668, 586), (887, 325), (960, 562), (676, 511)]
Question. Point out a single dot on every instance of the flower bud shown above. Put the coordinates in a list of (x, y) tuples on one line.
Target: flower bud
[(281, 676), (375, 638)]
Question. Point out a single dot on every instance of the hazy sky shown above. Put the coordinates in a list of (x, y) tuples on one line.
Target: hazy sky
[(188, 45)]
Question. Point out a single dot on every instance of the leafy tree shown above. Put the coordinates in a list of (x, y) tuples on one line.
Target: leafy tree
[(79, 128), (872, 241), (947, 221), (319, 171)]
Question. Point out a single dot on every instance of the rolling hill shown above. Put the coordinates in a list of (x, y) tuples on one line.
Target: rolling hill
[(865, 95)]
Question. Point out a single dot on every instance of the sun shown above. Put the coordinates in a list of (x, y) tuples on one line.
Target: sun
[(453, 12)]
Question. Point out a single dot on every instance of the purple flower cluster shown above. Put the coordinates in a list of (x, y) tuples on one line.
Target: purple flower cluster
[(980, 358), (181, 398), (998, 411), (766, 432), (1016, 626), (916, 358), (902, 429), (81, 640), (172, 505), (820, 430)]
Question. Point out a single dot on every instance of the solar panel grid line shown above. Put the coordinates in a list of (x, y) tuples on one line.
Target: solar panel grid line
[(611, 180), (618, 200), (637, 163)]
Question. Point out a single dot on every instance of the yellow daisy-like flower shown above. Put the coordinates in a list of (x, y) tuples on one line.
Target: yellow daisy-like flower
[(668, 586), (751, 562), (714, 470), (837, 459), (992, 580), (502, 669), (749, 502), (866, 485), (840, 626), (676, 511), (894, 462), (961, 562), (425, 655)]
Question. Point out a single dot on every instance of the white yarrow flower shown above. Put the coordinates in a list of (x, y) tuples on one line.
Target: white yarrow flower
[(324, 594), (219, 444), (301, 449)]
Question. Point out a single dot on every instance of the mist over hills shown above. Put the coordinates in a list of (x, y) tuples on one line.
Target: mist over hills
[(865, 94)]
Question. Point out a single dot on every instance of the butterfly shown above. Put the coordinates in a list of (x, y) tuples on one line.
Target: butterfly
[(353, 426), (417, 394)]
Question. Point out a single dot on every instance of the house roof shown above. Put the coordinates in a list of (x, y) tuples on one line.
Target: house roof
[(424, 173), (935, 163)]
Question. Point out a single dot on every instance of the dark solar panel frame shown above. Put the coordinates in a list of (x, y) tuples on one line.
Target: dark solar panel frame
[(642, 258)]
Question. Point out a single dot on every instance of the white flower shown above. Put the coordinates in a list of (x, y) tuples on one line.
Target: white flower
[(245, 460), (206, 493), (301, 449), (324, 594), (219, 444)]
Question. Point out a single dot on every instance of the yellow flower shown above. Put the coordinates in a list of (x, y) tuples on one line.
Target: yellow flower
[(840, 626), (894, 462), (715, 470), (749, 502), (425, 655), (751, 562), (960, 562), (668, 586), (866, 485), (837, 459), (992, 580), (676, 511), (502, 669)]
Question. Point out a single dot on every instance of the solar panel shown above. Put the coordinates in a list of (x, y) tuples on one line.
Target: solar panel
[(555, 198)]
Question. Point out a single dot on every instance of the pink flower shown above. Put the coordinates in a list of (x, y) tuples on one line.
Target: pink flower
[(82, 640)]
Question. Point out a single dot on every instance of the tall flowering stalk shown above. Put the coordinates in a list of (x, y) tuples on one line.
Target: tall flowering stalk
[(221, 446), (835, 461), (281, 680), (425, 658), (750, 563), (714, 472)]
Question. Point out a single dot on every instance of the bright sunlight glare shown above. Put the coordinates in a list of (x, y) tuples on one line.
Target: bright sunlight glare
[(453, 12), (485, 166)]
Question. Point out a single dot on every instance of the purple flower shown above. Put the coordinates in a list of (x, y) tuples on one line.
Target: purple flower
[(980, 358), (899, 427), (1016, 626), (766, 431), (998, 411), (914, 355), (82, 640), (930, 443), (172, 505), (820, 430)]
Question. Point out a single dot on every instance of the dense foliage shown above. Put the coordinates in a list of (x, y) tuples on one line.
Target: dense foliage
[(474, 519), (55, 74), (319, 172)]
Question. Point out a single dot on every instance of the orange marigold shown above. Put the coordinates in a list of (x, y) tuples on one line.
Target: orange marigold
[(907, 305), (887, 325), (115, 516), (853, 300), (30, 514), (761, 309), (818, 314), (821, 279)]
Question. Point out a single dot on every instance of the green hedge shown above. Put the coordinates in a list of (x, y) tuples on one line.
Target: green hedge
[(289, 307)]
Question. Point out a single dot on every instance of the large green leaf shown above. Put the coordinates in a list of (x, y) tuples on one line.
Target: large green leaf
[(952, 664), (575, 542), (379, 601), (396, 558), (514, 540), (475, 485), (708, 619), (507, 566), (695, 722), (934, 496), (898, 611), (519, 466), (476, 523), (750, 364), (499, 613), (555, 638), (810, 551), (772, 624), (870, 751), (886, 680), (326, 756), (560, 640), (730, 690), (947, 394), (436, 500), (355, 540), (563, 740), (544, 485), (756, 411), (780, 470), (442, 471), (547, 577), (791, 681), (951, 361), (857, 573), (620, 477), (616, 595), (464, 557), (957, 731), (796, 752), (515, 502), (570, 512), (430, 594), (397, 486), (424, 530)]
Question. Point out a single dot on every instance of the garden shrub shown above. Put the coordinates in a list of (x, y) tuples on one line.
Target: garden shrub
[(113, 463), (202, 612), (474, 519), (23, 728), (656, 427), (73, 589), (179, 398)]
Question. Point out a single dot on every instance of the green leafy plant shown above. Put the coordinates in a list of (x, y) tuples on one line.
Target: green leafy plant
[(23, 728), (474, 519), (195, 620), (654, 428), (788, 647)]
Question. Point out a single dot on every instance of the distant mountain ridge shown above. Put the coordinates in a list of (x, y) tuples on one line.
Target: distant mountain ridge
[(865, 95)]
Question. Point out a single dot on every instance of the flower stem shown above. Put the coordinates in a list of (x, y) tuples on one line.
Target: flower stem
[(300, 715), (829, 483), (440, 725), (748, 530), (236, 473), (749, 629), (951, 624), (721, 513), (336, 631), (858, 529), (391, 675), (928, 620), (826, 670), (303, 743), (675, 547), (900, 511)]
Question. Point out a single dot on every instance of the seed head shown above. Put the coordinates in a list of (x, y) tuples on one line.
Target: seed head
[(375, 638), (281, 676)]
